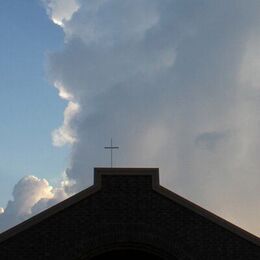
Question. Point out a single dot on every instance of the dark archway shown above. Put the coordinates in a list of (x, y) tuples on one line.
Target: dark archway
[(126, 254)]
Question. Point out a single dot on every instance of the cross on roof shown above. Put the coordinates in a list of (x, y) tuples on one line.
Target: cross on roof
[(111, 147)]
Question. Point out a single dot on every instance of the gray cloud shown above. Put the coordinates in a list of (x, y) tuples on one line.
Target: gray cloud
[(210, 140), (166, 79)]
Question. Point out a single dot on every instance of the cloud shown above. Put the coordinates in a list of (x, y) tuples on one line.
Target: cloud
[(60, 11), (65, 134), (170, 82), (250, 68), (210, 140), (58, 195), (28, 196), (175, 83)]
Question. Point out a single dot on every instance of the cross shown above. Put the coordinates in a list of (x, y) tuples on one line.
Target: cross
[(111, 147)]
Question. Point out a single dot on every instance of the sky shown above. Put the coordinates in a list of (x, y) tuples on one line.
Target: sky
[(175, 83), (29, 106)]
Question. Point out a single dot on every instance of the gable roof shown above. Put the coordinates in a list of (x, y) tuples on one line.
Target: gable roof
[(154, 173)]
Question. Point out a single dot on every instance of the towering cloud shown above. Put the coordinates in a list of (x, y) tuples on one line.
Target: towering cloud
[(176, 84), (29, 195)]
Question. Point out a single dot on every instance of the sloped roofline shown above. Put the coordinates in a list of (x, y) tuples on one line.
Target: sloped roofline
[(154, 173)]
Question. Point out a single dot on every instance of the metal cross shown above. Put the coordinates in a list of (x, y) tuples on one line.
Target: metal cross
[(111, 147)]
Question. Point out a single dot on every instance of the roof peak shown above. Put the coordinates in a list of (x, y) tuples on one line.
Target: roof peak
[(154, 173)]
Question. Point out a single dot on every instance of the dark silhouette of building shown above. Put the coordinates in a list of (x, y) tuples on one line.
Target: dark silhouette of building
[(126, 214)]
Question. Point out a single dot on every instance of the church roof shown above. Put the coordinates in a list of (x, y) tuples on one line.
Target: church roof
[(105, 179)]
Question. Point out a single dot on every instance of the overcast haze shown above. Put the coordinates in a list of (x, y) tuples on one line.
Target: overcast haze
[(177, 86)]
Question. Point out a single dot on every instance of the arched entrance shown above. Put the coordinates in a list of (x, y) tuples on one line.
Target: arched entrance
[(127, 251)]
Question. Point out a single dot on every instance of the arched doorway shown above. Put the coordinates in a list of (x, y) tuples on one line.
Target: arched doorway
[(126, 254), (129, 250)]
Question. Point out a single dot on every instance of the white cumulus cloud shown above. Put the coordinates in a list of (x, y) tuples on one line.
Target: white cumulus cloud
[(61, 11), (28, 195), (65, 134)]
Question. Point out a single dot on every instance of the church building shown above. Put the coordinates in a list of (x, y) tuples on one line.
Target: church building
[(126, 214)]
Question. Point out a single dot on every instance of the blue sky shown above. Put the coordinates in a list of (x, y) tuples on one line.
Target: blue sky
[(29, 106)]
